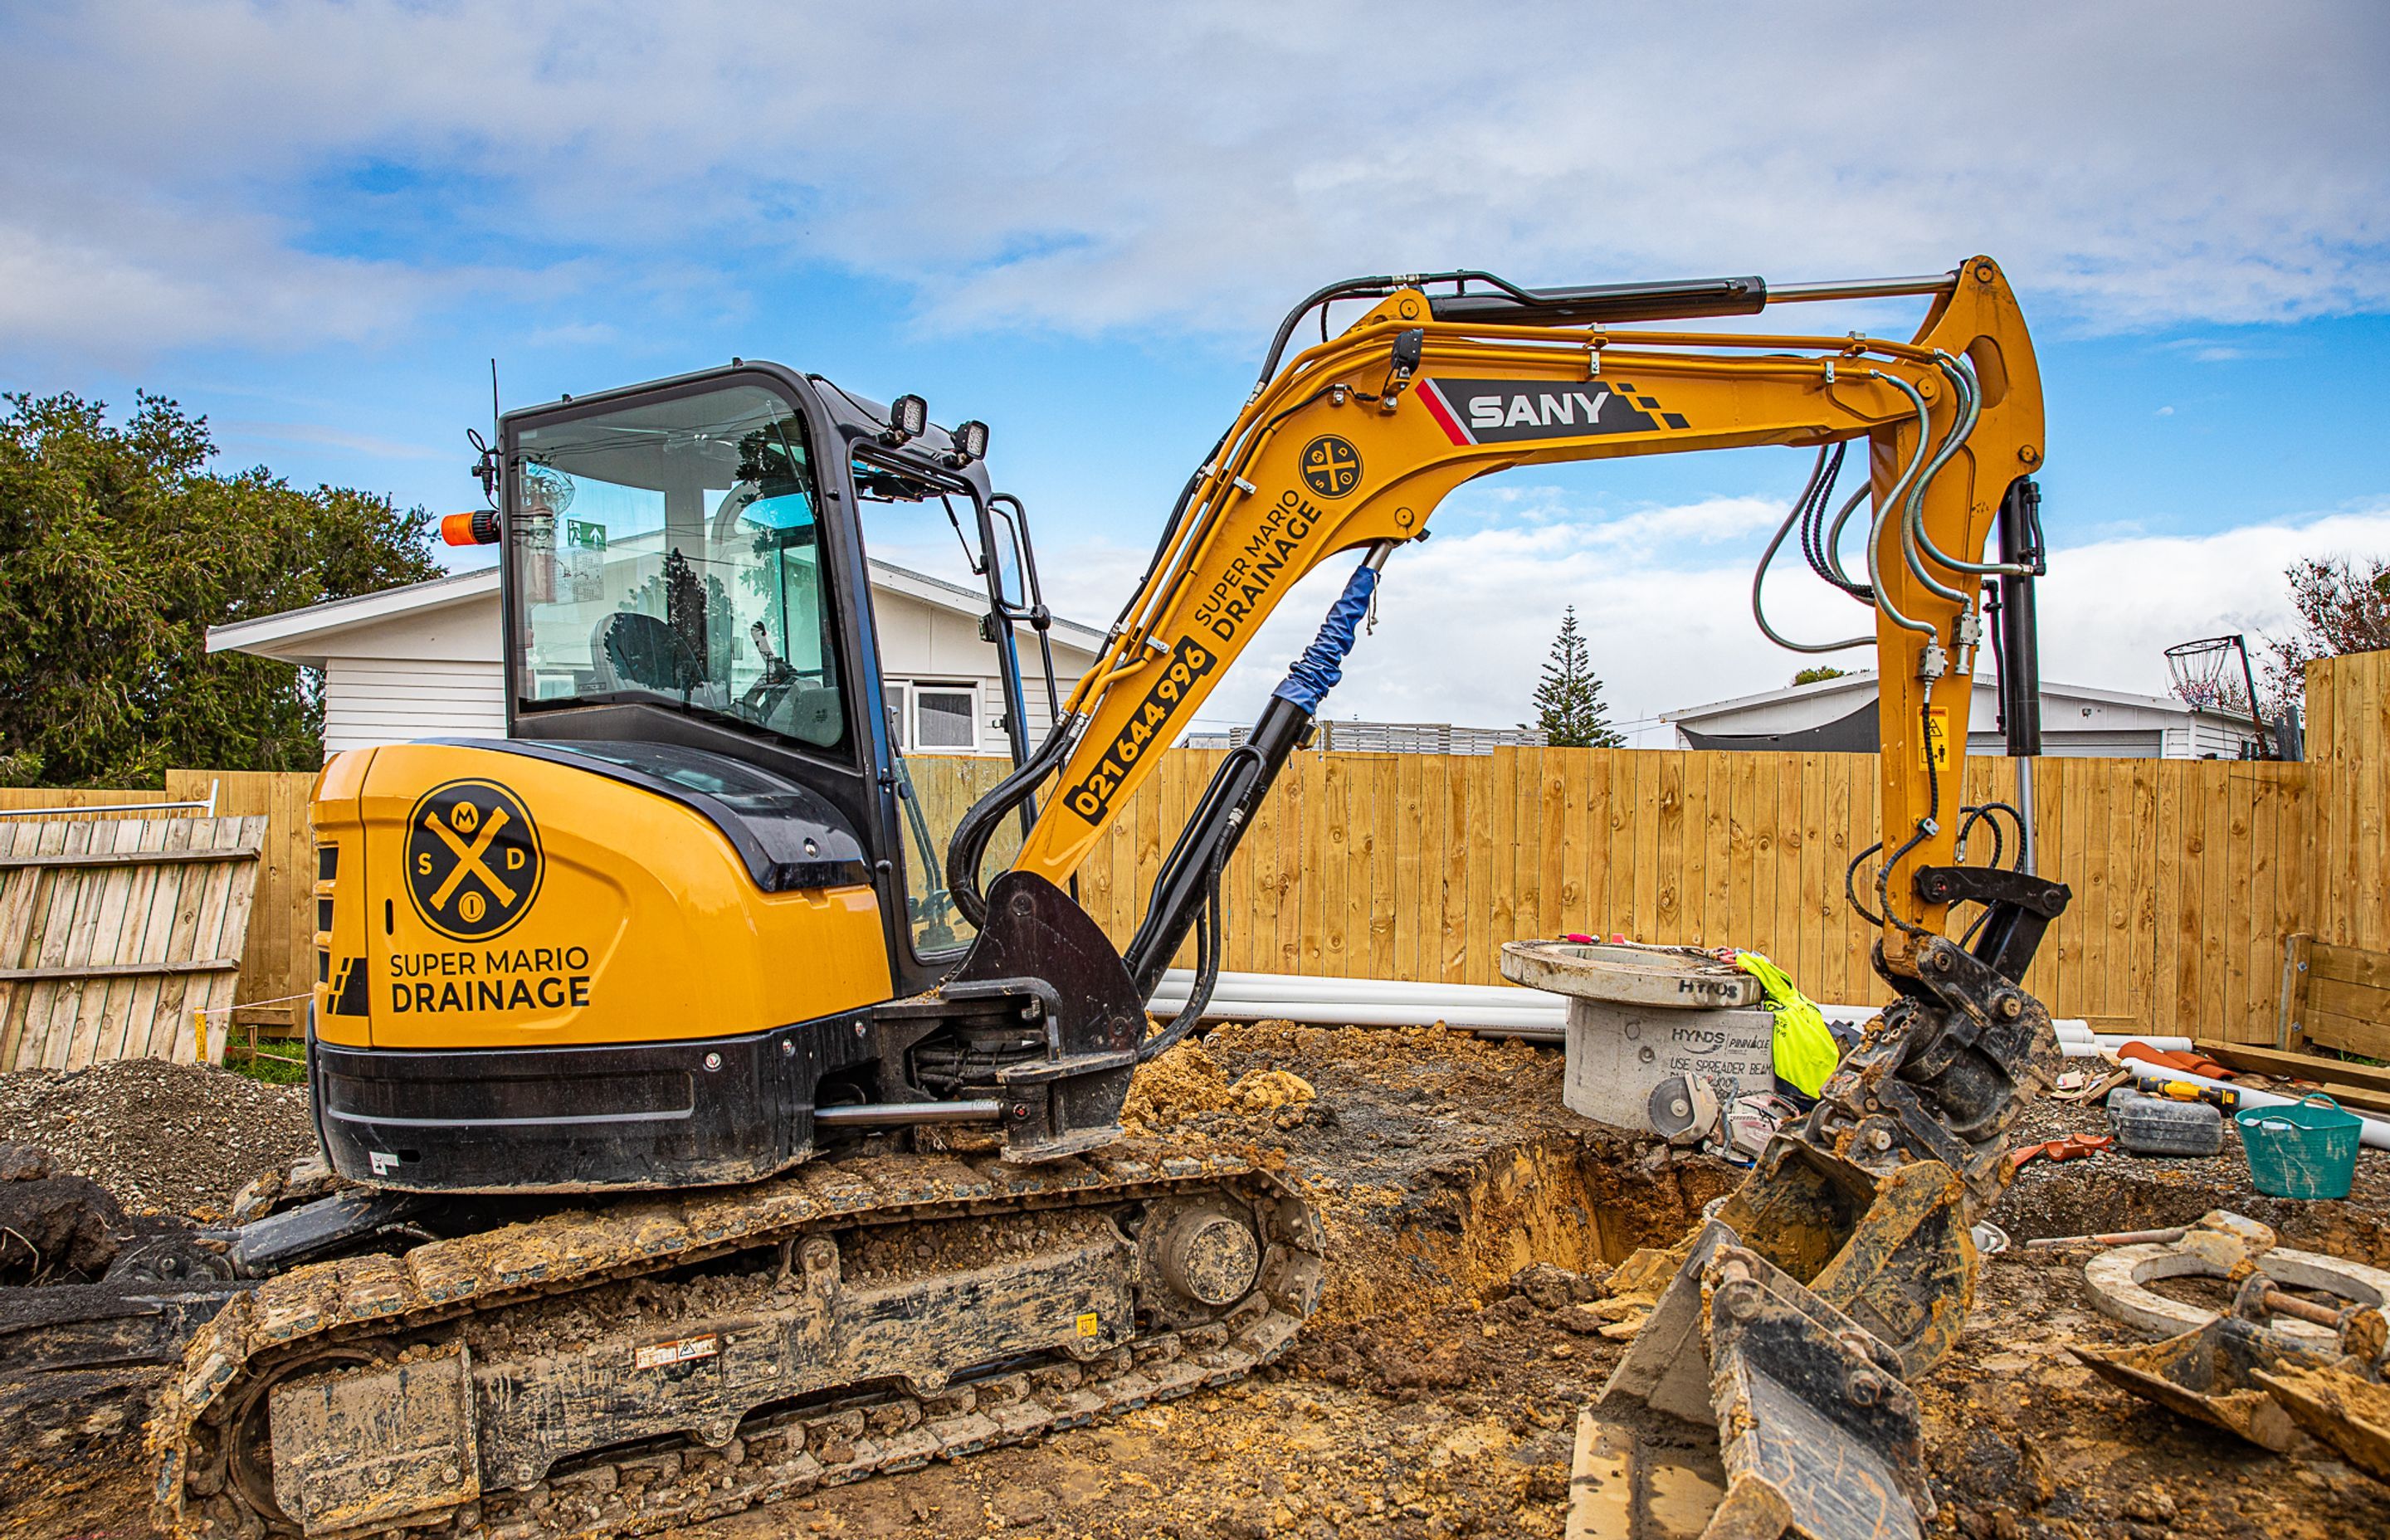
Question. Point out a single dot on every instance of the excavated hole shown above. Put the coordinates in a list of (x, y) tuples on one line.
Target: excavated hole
[(2090, 1198), (1578, 1202)]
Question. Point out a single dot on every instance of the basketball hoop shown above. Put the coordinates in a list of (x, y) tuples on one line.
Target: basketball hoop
[(2199, 671), (2204, 678)]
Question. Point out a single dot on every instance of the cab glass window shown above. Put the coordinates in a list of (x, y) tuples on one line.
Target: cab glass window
[(669, 553)]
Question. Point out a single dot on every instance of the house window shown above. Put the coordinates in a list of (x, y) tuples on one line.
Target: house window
[(935, 717)]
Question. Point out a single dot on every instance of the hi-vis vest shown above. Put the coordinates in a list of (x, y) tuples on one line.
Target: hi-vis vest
[(1806, 1053)]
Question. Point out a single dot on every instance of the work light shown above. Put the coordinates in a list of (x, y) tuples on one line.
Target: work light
[(908, 418)]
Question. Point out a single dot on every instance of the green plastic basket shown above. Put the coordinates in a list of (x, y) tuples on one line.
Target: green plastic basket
[(2308, 1151)]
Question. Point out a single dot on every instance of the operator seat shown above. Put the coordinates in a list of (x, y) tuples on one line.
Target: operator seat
[(632, 651)]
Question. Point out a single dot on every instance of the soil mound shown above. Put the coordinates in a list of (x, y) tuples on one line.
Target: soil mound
[(180, 1138)]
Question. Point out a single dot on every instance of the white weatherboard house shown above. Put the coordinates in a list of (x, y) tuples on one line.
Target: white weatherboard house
[(423, 661), (1838, 715)]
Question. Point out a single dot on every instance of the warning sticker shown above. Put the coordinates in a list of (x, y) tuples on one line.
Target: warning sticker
[(1087, 1323), (663, 1356), (1936, 750)]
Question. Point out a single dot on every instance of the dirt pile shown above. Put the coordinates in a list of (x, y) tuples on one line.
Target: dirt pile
[(52, 1227), (1188, 1081), (177, 1137)]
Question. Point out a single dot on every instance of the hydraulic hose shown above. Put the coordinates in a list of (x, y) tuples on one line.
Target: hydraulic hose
[(1910, 496), (1850, 889), (1814, 492), (1971, 393), (1832, 546), (1890, 610), (1210, 940), (1927, 826), (1825, 564), (968, 846)]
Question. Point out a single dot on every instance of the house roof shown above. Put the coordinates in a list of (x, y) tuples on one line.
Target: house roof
[(290, 630), (300, 635), (1863, 682), (967, 601)]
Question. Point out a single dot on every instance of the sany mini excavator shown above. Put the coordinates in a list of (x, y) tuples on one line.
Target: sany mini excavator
[(693, 1094)]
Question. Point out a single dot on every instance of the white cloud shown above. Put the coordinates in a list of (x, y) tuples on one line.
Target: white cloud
[(118, 281), (1096, 166), (2110, 608), (1465, 618)]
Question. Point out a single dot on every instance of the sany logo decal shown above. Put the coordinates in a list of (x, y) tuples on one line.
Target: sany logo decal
[(1500, 411), (1536, 409)]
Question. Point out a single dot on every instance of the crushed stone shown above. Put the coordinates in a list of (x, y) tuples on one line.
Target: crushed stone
[(178, 1138)]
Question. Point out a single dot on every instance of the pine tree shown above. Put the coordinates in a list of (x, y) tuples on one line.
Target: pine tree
[(1568, 702)]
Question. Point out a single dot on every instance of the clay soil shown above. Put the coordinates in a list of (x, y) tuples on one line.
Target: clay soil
[(1471, 1222)]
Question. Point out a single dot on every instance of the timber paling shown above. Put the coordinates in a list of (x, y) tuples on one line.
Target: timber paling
[(376, 1299)]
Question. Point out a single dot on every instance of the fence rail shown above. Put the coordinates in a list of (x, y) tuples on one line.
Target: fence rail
[(75, 804), (2187, 875)]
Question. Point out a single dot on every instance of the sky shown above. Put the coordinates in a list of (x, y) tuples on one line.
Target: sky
[(317, 225)]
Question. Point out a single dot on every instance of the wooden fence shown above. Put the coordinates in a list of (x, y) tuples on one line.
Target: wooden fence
[(114, 932), (1420, 866), (2349, 846), (2187, 875), (79, 804), (277, 965)]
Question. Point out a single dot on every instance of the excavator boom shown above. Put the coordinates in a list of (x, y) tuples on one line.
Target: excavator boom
[(1356, 442)]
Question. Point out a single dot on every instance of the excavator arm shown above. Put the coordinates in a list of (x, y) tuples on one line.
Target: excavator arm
[(1354, 445), (1772, 1372)]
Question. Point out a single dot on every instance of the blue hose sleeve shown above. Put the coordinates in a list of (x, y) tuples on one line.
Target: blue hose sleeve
[(1322, 663)]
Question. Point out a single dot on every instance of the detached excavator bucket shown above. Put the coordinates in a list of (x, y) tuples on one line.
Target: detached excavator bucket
[(2210, 1375), (1754, 1403)]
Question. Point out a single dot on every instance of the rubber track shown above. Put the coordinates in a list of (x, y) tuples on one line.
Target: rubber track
[(773, 1460)]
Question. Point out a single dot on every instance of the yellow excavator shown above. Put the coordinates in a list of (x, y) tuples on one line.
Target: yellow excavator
[(714, 1129)]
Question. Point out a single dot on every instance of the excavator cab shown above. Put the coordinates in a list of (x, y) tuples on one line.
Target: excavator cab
[(639, 942), (687, 557)]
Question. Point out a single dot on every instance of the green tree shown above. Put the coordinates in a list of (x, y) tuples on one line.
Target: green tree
[(1818, 675), (1568, 702), (2344, 606), (119, 548)]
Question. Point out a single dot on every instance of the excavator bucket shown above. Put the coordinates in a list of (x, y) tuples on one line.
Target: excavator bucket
[(1767, 1392), (2210, 1375), (1754, 1405)]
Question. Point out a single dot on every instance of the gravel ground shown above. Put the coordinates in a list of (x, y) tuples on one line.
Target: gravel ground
[(1472, 1222), (178, 1138)]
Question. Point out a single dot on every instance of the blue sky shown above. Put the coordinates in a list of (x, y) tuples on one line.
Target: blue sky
[(316, 223)]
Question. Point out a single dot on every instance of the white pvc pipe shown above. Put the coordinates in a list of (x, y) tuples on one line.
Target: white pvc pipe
[(1518, 1001), (1292, 986), (1370, 1013), (1255, 996)]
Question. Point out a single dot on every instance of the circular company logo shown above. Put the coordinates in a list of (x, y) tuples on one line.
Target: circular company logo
[(473, 861), (1332, 467)]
